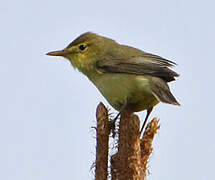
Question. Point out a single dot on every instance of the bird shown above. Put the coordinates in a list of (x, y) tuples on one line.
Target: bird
[(127, 77)]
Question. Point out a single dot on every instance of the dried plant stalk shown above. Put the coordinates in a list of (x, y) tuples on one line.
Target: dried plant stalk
[(102, 138), (146, 142), (130, 162)]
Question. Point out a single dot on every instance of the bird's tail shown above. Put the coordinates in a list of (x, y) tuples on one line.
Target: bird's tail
[(162, 92)]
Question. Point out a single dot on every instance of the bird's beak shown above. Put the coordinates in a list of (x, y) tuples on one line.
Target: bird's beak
[(58, 53)]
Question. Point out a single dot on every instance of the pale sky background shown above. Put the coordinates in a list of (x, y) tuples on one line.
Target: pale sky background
[(47, 108)]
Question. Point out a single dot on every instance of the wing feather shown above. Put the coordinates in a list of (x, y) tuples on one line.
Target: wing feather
[(146, 64)]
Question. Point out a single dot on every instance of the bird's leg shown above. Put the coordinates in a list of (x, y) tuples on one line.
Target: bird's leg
[(113, 122), (113, 125), (147, 116)]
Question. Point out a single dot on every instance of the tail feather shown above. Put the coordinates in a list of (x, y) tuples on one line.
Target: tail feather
[(162, 92)]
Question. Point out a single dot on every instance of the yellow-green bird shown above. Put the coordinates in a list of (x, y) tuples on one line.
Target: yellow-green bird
[(127, 77)]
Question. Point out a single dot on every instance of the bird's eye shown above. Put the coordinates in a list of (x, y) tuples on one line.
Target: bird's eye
[(82, 47)]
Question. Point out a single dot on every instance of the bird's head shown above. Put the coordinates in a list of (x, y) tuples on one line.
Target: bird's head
[(84, 51)]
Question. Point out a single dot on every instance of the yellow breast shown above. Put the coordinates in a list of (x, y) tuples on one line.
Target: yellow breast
[(120, 89)]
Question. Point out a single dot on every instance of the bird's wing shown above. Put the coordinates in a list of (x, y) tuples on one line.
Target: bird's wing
[(144, 64)]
